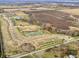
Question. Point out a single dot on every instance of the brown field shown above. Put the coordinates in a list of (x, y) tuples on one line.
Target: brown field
[(19, 13), (58, 19), (72, 11)]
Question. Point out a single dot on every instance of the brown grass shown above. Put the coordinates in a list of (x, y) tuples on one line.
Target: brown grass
[(72, 11)]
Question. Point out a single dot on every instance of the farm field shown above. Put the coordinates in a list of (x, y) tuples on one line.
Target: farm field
[(72, 11), (57, 19)]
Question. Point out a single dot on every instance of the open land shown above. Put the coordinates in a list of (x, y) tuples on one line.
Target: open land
[(72, 11), (35, 29)]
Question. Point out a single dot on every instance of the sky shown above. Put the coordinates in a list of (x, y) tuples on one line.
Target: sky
[(39, 0)]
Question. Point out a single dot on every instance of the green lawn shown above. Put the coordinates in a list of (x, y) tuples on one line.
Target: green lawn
[(39, 32), (50, 43), (48, 55)]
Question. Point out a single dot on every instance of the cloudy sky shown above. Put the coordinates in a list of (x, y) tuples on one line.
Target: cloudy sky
[(39, 0)]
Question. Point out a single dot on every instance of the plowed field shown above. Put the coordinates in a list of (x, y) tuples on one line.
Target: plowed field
[(58, 19)]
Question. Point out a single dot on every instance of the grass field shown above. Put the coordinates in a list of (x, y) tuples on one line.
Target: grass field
[(72, 11), (51, 42)]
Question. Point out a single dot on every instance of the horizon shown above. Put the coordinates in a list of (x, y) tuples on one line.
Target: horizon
[(12, 1)]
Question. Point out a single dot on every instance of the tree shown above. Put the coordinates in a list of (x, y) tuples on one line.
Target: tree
[(27, 47)]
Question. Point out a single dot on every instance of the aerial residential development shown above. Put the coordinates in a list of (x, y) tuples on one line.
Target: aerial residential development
[(39, 29)]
